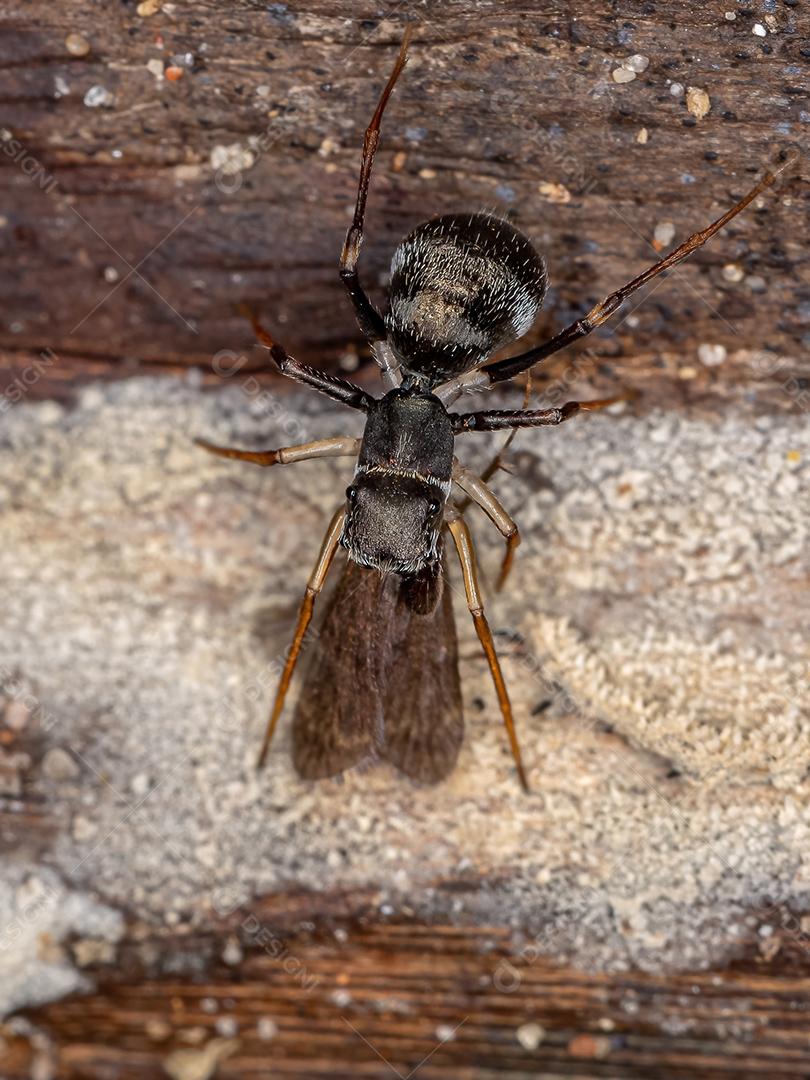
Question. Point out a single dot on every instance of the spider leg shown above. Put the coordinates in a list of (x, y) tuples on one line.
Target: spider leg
[(314, 586), (466, 554), (476, 490), (497, 420), (501, 370), (369, 319), (347, 393), (340, 446)]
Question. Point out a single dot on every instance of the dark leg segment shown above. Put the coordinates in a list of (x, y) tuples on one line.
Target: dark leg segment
[(599, 313), (496, 420), (314, 586), (368, 318), (347, 393)]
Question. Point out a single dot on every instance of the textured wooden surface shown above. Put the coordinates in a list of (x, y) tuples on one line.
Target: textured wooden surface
[(511, 106), (396, 991)]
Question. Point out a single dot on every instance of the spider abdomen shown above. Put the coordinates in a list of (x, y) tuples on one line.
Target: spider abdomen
[(462, 287)]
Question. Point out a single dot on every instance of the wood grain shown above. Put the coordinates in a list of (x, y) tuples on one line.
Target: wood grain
[(403, 987), (490, 116)]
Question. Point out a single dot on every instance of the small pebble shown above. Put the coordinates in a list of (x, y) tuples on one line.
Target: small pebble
[(83, 828), (427, 174), (232, 953), (173, 73), (266, 1029), (148, 7), (60, 87), (756, 283), (111, 275), (157, 1029), (698, 102), (199, 1064), (530, 1035), (226, 1026), (759, 30), (232, 159), (556, 193), (663, 235), (16, 715), (399, 160), (589, 1046), (733, 272), (58, 764), (155, 66), (42, 1067), (770, 947), (77, 45), (676, 89), (637, 63), (445, 1032), (794, 457), (623, 75), (139, 784), (687, 373), (642, 136), (98, 96), (730, 15), (711, 355), (89, 951)]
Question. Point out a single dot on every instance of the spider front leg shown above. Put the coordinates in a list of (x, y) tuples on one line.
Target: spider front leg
[(476, 490), (368, 318), (347, 393), (469, 569), (340, 446)]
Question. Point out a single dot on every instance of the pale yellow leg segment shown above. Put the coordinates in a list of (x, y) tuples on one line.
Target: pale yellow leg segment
[(476, 490), (466, 554), (340, 446), (314, 586)]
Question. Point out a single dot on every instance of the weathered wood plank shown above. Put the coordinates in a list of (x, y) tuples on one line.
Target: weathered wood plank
[(403, 988), (497, 117)]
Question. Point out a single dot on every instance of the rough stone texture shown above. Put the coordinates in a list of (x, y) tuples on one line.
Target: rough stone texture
[(38, 912), (659, 601), (240, 174)]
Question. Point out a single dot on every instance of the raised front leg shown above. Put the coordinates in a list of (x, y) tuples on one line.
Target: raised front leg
[(369, 319), (347, 393)]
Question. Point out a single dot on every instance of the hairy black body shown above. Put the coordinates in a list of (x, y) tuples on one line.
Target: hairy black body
[(462, 287)]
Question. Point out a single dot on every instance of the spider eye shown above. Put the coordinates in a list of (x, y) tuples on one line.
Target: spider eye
[(434, 506), (351, 493)]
